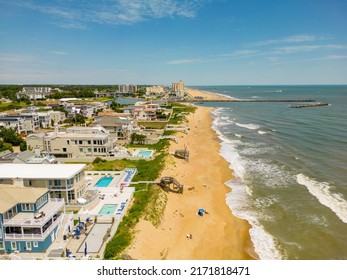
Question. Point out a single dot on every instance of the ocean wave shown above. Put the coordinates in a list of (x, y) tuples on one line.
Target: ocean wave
[(238, 135), (261, 132), (248, 125), (323, 192), (265, 245)]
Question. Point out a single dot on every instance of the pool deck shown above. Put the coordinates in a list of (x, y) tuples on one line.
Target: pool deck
[(117, 192)]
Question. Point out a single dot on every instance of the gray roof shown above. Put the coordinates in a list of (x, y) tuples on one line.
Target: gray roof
[(23, 156), (110, 120)]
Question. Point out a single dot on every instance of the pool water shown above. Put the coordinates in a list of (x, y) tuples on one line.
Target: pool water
[(145, 154), (108, 209), (103, 182)]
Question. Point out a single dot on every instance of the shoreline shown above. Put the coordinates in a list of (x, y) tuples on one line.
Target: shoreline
[(218, 235)]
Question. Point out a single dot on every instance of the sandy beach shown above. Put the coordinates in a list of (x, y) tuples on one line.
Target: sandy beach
[(217, 235), (206, 95)]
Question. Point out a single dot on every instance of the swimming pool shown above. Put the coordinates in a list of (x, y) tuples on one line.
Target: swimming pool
[(103, 182), (145, 154), (108, 209)]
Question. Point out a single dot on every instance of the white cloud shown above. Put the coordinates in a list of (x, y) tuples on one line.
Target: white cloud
[(242, 53), (292, 39), (184, 61), (58, 52), (14, 58), (307, 48), (76, 14)]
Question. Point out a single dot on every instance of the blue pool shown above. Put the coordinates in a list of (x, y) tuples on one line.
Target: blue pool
[(108, 209), (103, 182), (145, 154)]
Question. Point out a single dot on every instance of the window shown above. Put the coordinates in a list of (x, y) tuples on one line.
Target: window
[(76, 142), (80, 142), (27, 207), (28, 245), (2, 245), (0, 233), (13, 245), (64, 149), (57, 183), (81, 150), (68, 142), (89, 150), (35, 244), (89, 142), (30, 183), (10, 213), (41, 201)]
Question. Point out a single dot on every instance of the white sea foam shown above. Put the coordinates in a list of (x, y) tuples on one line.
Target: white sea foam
[(248, 125), (265, 245), (325, 195), (238, 135), (262, 132), (239, 202), (255, 97)]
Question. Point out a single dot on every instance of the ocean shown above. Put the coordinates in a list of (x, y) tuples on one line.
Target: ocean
[(289, 168)]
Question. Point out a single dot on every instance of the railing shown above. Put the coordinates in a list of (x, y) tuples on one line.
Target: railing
[(35, 236), (59, 203)]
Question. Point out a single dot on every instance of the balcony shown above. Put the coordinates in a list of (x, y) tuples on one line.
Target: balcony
[(28, 219), (33, 236)]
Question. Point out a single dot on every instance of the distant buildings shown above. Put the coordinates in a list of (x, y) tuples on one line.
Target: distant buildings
[(34, 93), (178, 88), (155, 90), (127, 88)]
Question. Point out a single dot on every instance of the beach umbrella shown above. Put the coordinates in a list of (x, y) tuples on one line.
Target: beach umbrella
[(85, 249), (201, 210)]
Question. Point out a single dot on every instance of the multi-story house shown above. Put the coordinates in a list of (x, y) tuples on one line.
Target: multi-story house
[(75, 142), (65, 181), (29, 219), (117, 127), (25, 123), (50, 118)]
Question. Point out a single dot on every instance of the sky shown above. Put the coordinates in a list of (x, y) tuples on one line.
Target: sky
[(158, 42)]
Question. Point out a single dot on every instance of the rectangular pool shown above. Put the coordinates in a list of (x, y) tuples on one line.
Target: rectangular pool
[(108, 209), (145, 154), (103, 182)]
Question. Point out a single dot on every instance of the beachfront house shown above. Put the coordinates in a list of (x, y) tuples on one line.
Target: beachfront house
[(29, 219), (75, 142), (121, 128), (66, 181)]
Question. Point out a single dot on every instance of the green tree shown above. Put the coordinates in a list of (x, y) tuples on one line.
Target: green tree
[(137, 138), (10, 135), (5, 146), (23, 146)]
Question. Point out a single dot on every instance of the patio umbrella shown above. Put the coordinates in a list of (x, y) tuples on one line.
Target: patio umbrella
[(85, 249)]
